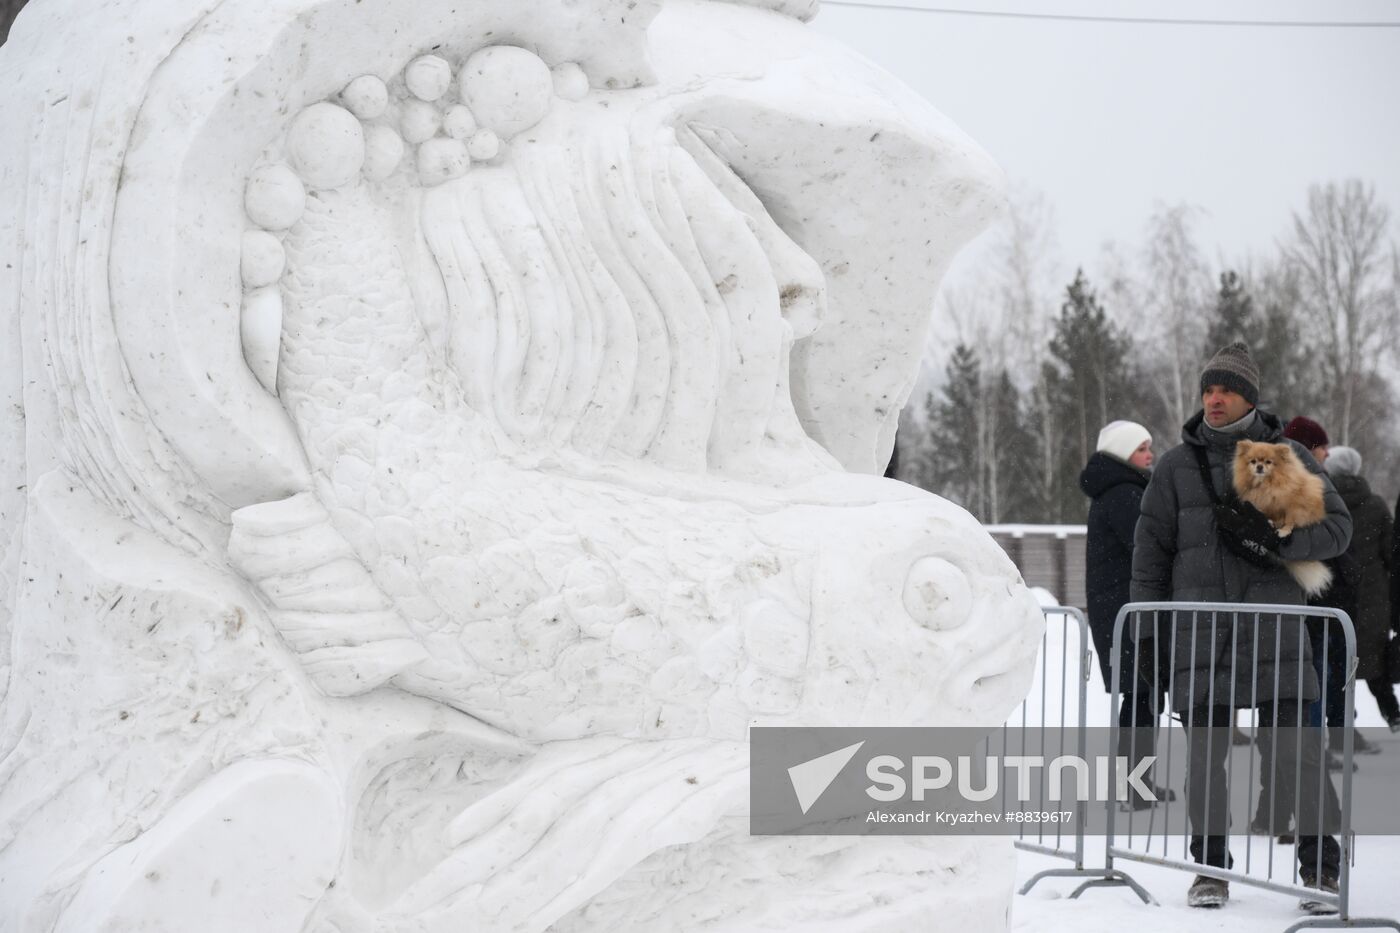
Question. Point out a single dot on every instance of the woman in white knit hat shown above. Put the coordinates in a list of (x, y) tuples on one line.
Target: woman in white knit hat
[(1114, 479)]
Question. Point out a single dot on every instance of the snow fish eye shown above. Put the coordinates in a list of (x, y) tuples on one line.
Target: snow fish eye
[(937, 594)]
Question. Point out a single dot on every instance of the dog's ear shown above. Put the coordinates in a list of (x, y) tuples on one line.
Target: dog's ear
[(1285, 452)]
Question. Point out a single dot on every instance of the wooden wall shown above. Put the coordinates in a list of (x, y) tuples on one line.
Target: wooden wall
[(1049, 556)]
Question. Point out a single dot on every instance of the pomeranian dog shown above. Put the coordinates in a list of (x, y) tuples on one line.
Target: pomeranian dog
[(1272, 479)]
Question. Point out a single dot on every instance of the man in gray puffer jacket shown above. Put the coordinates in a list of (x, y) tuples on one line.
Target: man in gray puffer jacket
[(1179, 555)]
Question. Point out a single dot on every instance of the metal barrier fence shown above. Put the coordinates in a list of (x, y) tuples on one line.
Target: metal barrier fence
[(1277, 655), (1069, 729)]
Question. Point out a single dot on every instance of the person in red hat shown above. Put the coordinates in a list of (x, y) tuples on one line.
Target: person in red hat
[(1311, 435), (1345, 571)]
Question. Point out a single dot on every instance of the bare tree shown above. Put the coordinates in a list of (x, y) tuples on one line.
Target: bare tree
[(1006, 303), (1174, 314), (1028, 274), (1028, 278), (1290, 382), (1346, 263)]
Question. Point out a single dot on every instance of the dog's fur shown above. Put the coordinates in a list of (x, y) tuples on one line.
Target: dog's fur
[(1271, 478)]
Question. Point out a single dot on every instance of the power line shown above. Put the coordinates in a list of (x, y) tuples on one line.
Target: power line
[(1075, 18)]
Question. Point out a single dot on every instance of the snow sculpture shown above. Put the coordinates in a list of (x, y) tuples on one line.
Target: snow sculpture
[(434, 432)]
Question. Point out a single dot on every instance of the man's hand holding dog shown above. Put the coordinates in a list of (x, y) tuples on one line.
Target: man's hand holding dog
[(1250, 525)]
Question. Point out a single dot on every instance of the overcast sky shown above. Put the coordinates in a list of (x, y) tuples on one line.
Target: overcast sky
[(1108, 118)]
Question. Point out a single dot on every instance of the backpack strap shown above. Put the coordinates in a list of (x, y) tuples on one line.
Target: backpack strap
[(1204, 464)]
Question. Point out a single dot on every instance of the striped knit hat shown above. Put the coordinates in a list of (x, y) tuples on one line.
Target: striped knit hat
[(1233, 368)]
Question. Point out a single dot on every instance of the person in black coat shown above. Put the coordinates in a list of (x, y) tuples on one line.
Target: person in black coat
[(1114, 479), (1369, 599), (1393, 669)]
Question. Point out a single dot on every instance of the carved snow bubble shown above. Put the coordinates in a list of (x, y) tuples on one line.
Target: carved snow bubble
[(366, 97), (484, 146), (441, 160), (263, 259), (458, 122), (326, 145), (275, 197), (508, 89), (428, 78), (383, 152), (937, 594), (419, 121)]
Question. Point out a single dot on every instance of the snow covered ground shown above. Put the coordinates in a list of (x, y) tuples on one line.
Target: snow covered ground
[(1048, 908)]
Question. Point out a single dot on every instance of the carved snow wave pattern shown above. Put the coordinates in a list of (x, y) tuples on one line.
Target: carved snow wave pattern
[(610, 297)]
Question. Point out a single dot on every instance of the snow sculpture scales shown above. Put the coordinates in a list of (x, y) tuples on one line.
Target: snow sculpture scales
[(425, 452)]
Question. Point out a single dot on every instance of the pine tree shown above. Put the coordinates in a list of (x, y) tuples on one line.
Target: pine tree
[(1011, 460), (916, 455), (982, 451), (1290, 383), (1045, 423), (1234, 316), (955, 426), (1089, 359)]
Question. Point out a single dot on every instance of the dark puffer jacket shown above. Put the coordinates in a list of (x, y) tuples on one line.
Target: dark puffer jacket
[(1115, 489), (1178, 556), (1370, 546), (1395, 575)]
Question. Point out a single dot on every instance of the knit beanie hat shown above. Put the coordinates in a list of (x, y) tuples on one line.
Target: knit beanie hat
[(1343, 461), (1119, 439), (1306, 432), (1233, 368)]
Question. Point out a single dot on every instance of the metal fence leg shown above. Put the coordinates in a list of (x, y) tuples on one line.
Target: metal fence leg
[(1337, 923), (1348, 923), (1112, 878), (1082, 674)]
